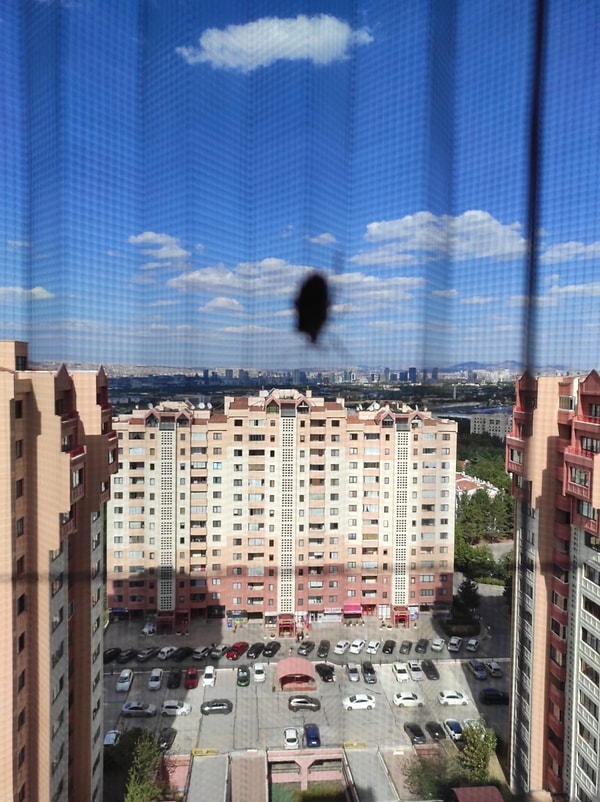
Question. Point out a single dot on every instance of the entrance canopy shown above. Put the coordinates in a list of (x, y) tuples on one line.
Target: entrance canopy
[(352, 608), (297, 672)]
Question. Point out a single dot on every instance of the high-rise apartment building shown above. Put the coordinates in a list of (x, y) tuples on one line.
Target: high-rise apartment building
[(58, 451), (552, 452), (281, 506)]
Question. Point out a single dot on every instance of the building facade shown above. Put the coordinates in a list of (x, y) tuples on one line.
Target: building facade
[(280, 505), (552, 452), (496, 423), (57, 456)]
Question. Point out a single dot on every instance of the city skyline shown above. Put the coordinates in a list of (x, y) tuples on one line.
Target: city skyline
[(168, 207)]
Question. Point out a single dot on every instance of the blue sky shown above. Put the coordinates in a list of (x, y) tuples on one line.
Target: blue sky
[(174, 170)]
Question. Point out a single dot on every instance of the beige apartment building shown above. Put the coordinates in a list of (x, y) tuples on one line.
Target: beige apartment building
[(551, 454), (279, 507), (58, 453)]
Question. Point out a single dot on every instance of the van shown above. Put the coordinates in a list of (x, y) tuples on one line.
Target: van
[(312, 736)]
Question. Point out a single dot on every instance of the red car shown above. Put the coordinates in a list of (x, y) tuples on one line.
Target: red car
[(191, 678), (237, 650)]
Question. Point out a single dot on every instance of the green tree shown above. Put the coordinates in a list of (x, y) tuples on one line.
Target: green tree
[(468, 594), (142, 780), (431, 777), (479, 744)]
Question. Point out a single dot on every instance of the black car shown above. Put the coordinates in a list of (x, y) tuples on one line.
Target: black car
[(174, 679), (323, 649), (428, 668), (255, 651), (389, 646), (435, 730), (415, 733), (182, 653), (166, 737), (111, 654), (301, 702), (492, 696), (306, 647), (146, 654), (222, 706), (369, 675), (405, 647), (325, 671), (421, 646), (271, 648), (126, 655)]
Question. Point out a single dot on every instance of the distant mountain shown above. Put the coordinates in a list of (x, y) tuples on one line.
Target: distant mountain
[(465, 366)]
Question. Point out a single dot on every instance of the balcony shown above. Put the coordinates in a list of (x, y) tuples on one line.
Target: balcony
[(561, 558), (562, 531), (584, 424)]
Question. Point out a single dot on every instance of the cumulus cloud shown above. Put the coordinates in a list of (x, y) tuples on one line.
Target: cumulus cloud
[(322, 239), (21, 294), (570, 252), (165, 246), (268, 277), (222, 304), (472, 235), (321, 39)]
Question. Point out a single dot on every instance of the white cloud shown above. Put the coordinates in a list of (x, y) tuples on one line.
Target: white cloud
[(163, 303), (167, 247), (570, 252), (477, 300), (321, 39), (151, 265), (445, 293), (269, 277), (20, 294), (14, 244), (222, 304), (471, 235), (322, 239)]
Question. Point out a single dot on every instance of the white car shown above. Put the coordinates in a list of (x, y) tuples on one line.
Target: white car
[(453, 728), (472, 645), (437, 644), (408, 699), (291, 739), (124, 681), (454, 644), (452, 697), (373, 646), (112, 738), (209, 677), (138, 709), (171, 707), (357, 646), (155, 679), (260, 675), (353, 671), (415, 671), (166, 652), (494, 669), (359, 701), (341, 647), (400, 671)]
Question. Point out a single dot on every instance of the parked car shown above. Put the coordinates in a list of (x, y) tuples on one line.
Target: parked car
[(172, 707), (166, 738), (191, 678), (435, 730), (405, 647), (302, 702), (477, 668), (110, 655), (182, 653), (125, 680), (271, 648), (389, 646), (201, 652), (112, 738), (209, 676), (237, 650), (125, 655), (155, 679), (306, 647), (452, 697), (174, 679), (454, 644), (422, 645), (323, 649), (291, 738), (493, 669), (341, 647), (492, 696), (437, 644), (359, 701), (353, 672), (243, 676), (146, 654), (166, 652), (408, 699), (312, 736), (373, 646), (415, 672), (453, 728), (357, 646), (415, 733), (217, 651), (472, 645), (400, 671), (476, 723), (260, 675), (138, 709), (325, 671), (429, 669), (255, 650), (216, 706), (368, 672)]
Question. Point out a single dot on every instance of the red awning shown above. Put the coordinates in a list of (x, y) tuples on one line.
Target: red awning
[(295, 667), (352, 609)]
